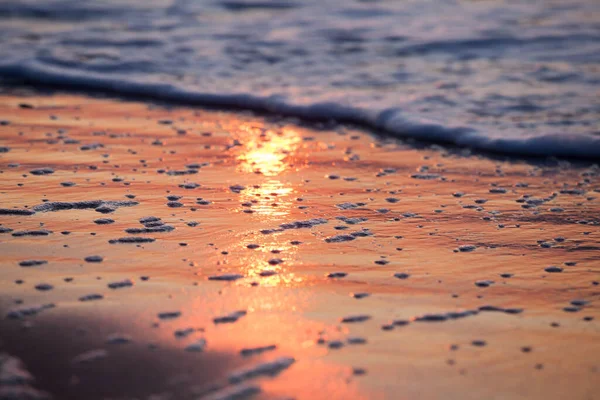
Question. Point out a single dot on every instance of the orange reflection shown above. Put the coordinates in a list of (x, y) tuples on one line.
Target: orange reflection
[(271, 198), (270, 276), (269, 153), (256, 266), (266, 151)]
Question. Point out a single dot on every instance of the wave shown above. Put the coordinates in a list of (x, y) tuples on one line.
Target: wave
[(260, 5), (391, 121), (491, 46), (58, 10)]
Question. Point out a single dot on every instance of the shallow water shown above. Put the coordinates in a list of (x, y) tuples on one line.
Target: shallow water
[(504, 76)]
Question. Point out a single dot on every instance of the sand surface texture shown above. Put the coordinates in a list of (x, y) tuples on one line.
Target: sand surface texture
[(156, 252)]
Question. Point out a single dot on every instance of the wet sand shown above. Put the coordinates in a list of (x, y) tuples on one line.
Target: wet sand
[(285, 261)]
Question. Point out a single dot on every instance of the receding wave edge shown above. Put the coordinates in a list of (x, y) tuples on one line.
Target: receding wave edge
[(391, 121)]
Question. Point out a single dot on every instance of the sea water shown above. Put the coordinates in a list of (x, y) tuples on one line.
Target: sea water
[(515, 77)]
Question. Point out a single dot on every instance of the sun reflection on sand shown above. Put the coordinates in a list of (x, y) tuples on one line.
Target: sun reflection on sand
[(272, 198), (266, 151), (256, 267), (270, 275)]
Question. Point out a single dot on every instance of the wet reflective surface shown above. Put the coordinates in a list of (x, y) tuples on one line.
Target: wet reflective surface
[(285, 261)]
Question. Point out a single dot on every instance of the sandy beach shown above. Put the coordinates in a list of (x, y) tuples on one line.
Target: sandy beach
[(167, 252)]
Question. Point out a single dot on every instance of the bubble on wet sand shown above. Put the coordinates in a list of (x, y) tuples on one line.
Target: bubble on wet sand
[(20, 313), (431, 318), (91, 297), (132, 239), (512, 310), (247, 352), (230, 318), (183, 332), (339, 238), (169, 315), (104, 221), (189, 186), (101, 206), (355, 318), (335, 344), (197, 346), (270, 368), (466, 248), (146, 220), (225, 277), (356, 340), (425, 176), (42, 171), (237, 188), (303, 224), (32, 263), (352, 221), (121, 284), (15, 211), (150, 229), (44, 287), (579, 302), (441, 317), (35, 232)]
